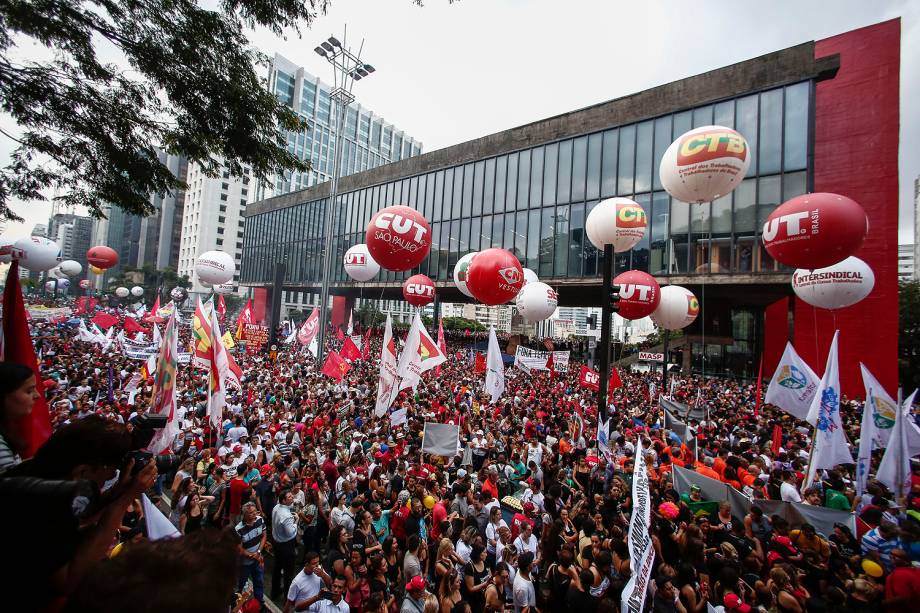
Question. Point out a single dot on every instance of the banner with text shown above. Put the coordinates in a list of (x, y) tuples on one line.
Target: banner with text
[(641, 552), (530, 359)]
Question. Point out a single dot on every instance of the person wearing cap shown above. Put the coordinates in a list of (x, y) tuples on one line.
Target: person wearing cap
[(734, 603), (902, 586), (414, 601)]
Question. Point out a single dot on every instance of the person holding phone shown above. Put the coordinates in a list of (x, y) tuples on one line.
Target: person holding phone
[(327, 601), (309, 582)]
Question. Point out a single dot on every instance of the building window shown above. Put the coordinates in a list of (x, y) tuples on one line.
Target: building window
[(223, 208), (225, 186), (220, 230), (220, 241), (223, 197)]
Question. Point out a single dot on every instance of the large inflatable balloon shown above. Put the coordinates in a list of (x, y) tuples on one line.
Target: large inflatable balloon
[(95, 270), (223, 288), (178, 294), (215, 267), (495, 276), (102, 257), (398, 238), (620, 222), (640, 294), (56, 273), (205, 284), (815, 230), (49, 286), (137, 291), (418, 290), (6, 249), (530, 276), (359, 265), (37, 253), (63, 284), (84, 284), (704, 164), (461, 273), (537, 301), (835, 287), (71, 268), (678, 308), (122, 292)]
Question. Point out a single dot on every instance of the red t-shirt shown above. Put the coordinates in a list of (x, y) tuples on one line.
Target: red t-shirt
[(903, 582), (516, 524), (438, 514), (237, 487)]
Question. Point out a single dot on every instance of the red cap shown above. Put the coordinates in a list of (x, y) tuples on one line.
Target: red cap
[(415, 583), (733, 603), (528, 507), (237, 447), (266, 468)]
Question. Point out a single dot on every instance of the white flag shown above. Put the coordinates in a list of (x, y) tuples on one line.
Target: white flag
[(793, 385), (350, 322), (867, 436), (883, 408), (420, 353), (224, 373), (158, 525), (894, 471), (641, 551), (387, 379), (495, 369), (830, 440), (603, 438), (293, 334)]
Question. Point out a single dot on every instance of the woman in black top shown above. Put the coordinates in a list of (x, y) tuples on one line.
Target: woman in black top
[(192, 516), (339, 551), (476, 578)]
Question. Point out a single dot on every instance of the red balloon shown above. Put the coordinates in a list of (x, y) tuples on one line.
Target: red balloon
[(84, 284), (398, 238), (495, 276), (418, 290), (102, 257), (639, 294), (815, 230)]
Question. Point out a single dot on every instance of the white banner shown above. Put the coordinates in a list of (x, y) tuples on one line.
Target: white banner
[(641, 552), (647, 356), (531, 359), (399, 417), (441, 439)]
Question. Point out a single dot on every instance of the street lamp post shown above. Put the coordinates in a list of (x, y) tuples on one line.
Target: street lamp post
[(347, 68)]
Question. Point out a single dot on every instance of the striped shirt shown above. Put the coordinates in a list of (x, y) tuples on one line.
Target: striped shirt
[(874, 541), (8, 459), (251, 535)]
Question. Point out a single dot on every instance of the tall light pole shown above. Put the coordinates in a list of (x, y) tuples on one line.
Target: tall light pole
[(347, 68)]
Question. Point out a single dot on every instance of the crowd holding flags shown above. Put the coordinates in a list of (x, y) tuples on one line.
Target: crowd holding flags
[(164, 386), (387, 378)]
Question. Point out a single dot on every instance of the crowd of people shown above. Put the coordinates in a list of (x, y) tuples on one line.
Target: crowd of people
[(348, 514)]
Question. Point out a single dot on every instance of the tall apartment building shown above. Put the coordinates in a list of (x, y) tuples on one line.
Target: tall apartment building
[(498, 317), (74, 234), (907, 264), (161, 232)]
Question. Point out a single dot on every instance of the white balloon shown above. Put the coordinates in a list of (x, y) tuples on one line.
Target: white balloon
[(122, 292), (704, 164), (678, 308), (224, 288), (137, 291), (71, 268), (205, 284), (461, 270), (537, 301), (215, 267), (6, 249), (56, 273), (620, 222), (835, 287), (530, 277), (38, 253), (49, 286), (359, 265)]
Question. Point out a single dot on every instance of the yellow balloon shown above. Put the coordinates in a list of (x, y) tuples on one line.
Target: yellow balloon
[(429, 502), (872, 568), (95, 270)]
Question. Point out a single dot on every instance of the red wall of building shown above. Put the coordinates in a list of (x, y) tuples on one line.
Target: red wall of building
[(776, 334), (856, 155)]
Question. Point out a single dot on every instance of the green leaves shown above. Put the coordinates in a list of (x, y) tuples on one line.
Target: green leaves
[(185, 80), (909, 335)]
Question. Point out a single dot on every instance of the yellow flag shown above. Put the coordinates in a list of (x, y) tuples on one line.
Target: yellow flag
[(227, 340)]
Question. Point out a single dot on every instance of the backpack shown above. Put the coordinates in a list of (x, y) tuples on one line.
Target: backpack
[(503, 483)]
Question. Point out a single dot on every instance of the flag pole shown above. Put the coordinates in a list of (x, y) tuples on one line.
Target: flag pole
[(899, 472)]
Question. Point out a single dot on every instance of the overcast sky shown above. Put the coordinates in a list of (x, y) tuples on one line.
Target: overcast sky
[(447, 73)]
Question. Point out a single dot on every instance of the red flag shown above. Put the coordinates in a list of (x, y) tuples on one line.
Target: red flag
[(335, 366), (615, 381), (466, 332), (339, 334), (777, 438), (34, 428), (131, 325), (480, 362), (548, 343), (589, 378), (366, 345), (152, 317), (350, 351), (221, 308), (84, 304), (244, 318), (441, 344), (759, 390), (104, 320), (550, 365)]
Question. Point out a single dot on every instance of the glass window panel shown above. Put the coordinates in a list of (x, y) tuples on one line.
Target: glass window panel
[(510, 238), (520, 236), (444, 251), (488, 191), (454, 244), (478, 170), (627, 165), (457, 197), (771, 131), (725, 114), (644, 157), (413, 192), (501, 166), (609, 164), (498, 232), (536, 177), (533, 239), (564, 183), (702, 116), (662, 142), (745, 202), (640, 253), (589, 253), (550, 167), (796, 130), (475, 225), (545, 247), (658, 219), (579, 168), (523, 183), (746, 121), (561, 242), (683, 122), (722, 215), (595, 151), (463, 243), (435, 250), (680, 217), (481, 236), (437, 196), (768, 198), (511, 194), (793, 185), (467, 209)]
